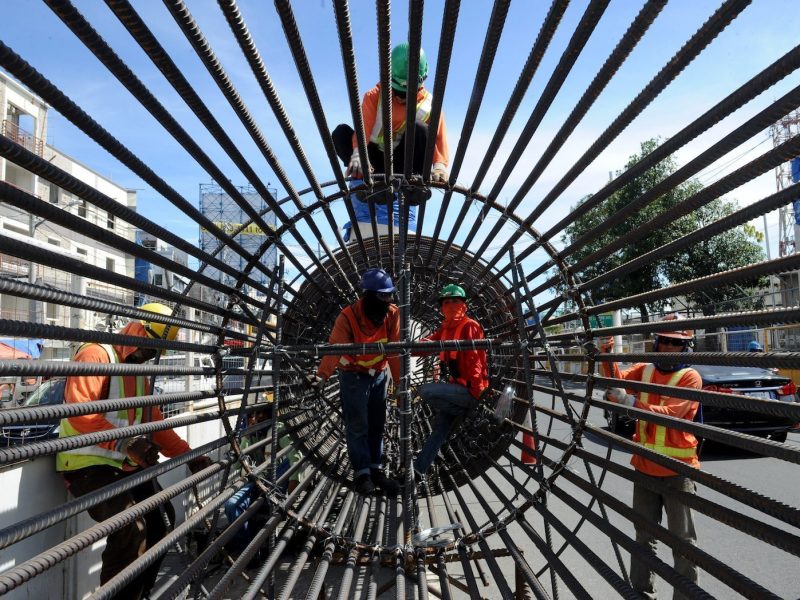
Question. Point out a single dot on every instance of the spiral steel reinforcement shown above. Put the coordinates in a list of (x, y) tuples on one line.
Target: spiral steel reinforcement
[(555, 526)]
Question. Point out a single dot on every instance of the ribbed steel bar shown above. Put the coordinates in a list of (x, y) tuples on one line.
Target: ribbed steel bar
[(494, 31), (716, 23), (412, 76)]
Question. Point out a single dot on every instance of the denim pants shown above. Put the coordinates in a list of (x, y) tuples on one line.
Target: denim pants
[(364, 408), (451, 402), (650, 505)]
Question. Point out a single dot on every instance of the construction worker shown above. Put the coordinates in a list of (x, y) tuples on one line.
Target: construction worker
[(465, 371), (344, 138), (665, 440), (362, 377), (90, 468)]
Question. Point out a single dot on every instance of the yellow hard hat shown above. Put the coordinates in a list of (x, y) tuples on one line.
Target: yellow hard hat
[(155, 329)]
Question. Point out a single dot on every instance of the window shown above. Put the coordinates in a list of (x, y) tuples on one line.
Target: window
[(110, 221), (82, 208), (158, 279), (54, 189), (51, 311), (54, 241), (16, 228), (110, 266), (82, 251)]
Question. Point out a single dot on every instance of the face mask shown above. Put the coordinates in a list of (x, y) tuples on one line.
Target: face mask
[(453, 311), (375, 308)]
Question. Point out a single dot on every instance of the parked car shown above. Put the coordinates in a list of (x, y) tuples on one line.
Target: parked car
[(50, 392), (747, 381)]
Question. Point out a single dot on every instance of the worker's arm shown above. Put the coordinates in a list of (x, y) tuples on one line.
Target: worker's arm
[(440, 151), (393, 331), (435, 336), (340, 334), (88, 388), (471, 361), (369, 112), (677, 407), (171, 443)]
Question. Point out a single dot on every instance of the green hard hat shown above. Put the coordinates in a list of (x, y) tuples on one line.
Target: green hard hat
[(400, 67), (451, 290)]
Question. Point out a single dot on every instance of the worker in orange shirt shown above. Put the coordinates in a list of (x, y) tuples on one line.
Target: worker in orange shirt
[(664, 440), (90, 468), (344, 139), (362, 378)]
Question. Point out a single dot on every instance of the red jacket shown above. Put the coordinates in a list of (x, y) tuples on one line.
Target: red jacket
[(471, 364)]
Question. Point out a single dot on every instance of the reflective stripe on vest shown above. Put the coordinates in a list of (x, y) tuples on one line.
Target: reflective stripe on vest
[(380, 336), (660, 438), (78, 458), (424, 108)]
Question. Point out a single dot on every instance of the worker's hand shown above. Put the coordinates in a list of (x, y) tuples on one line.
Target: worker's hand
[(354, 168), (606, 345), (620, 396), (199, 463), (439, 173), (315, 382), (143, 452)]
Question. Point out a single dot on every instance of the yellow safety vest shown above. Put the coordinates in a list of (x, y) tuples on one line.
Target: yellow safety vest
[(658, 443), (79, 458), (424, 107)]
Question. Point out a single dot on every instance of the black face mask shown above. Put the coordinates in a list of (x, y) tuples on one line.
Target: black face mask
[(375, 308)]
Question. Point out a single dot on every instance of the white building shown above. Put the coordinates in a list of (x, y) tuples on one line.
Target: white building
[(23, 118)]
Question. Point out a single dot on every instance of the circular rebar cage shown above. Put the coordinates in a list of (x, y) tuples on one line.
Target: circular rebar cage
[(535, 499)]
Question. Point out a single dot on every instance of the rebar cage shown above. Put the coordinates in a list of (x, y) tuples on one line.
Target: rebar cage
[(558, 524)]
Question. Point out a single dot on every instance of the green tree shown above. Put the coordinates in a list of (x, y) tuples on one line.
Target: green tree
[(731, 249)]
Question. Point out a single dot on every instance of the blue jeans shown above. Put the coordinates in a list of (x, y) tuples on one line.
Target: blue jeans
[(364, 408), (451, 402)]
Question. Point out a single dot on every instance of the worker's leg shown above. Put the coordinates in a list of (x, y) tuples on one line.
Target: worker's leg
[(342, 138), (124, 545), (648, 504), (156, 529), (234, 507), (681, 523), (420, 140), (450, 402), (355, 389), (377, 420)]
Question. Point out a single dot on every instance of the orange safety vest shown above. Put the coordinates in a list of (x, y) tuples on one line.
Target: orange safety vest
[(367, 363), (654, 436)]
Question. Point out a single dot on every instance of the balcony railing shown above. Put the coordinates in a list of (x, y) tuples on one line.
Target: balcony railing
[(27, 140)]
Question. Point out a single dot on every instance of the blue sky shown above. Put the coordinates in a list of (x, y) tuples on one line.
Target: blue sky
[(765, 31)]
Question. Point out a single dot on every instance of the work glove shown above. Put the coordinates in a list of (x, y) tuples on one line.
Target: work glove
[(439, 173), (620, 396), (354, 168), (606, 345), (315, 382), (199, 463), (142, 451)]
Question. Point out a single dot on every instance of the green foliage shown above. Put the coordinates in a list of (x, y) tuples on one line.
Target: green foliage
[(731, 249)]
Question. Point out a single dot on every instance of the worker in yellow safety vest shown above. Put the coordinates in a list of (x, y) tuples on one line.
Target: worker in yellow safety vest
[(88, 468), (344, 138), (664, 495)]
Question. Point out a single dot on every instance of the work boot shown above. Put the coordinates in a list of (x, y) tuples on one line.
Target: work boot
[(363, 485), (389, 486)]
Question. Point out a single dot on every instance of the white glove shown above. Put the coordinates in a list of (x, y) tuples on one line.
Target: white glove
[(354, 168), (619, 396), (439, 173), (315, 382)]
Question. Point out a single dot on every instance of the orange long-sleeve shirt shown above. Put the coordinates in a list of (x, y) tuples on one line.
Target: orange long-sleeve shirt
[(471, 363), (369, 110), (342, 333), (671, 407), (87, 388)]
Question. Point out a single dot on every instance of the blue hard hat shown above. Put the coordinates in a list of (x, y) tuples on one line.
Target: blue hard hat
[(377, 280), (754, 346)]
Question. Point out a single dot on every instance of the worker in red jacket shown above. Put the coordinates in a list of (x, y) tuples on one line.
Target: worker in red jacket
[(648, 501), (467, 376)]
